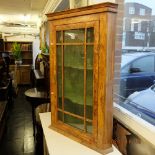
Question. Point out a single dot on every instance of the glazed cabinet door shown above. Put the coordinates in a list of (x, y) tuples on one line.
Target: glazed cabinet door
[(76, 78)]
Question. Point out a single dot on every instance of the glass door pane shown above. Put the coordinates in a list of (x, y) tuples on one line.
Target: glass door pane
[(74, 79), (75, 50), (73, 121), (74, 36)]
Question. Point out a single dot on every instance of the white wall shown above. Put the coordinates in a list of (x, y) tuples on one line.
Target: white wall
[(36, 50)]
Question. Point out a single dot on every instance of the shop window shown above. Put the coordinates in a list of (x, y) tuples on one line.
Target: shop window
[(138, 62)]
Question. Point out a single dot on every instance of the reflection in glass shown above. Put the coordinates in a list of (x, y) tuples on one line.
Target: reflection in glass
[(74, 79), (73, 121), (58, 37), (74, 36), (59, 75), (137, 75), (90, 35), (89, 83), (89, 127)]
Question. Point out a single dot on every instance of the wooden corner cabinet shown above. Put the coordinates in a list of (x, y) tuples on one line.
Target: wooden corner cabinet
[(81, 73)]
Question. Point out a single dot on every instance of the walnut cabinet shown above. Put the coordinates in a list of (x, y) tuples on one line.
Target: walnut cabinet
[(81, 73), (21, 74)]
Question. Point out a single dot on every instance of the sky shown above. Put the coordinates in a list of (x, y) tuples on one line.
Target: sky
[(148, 3)]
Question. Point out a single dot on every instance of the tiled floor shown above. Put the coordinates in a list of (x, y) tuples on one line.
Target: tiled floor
[(18, 137)]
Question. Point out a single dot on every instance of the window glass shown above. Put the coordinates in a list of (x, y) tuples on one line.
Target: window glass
[(131, 10), (125, 69), (142, 12), (138, 59), (74, 79), (74, 36), (145, 64)]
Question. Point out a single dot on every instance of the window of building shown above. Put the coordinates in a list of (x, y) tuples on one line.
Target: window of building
[(142, 12), (139, 26), (153, 23), (131, 10), (138, 63)]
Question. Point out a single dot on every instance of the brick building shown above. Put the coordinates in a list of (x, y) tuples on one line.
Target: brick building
[(139, 28)]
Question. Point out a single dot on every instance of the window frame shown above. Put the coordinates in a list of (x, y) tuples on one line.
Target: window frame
[(134, 123), (142, 12), (131, 10)]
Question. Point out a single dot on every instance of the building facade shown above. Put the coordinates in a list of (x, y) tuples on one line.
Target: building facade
[(139, 28)]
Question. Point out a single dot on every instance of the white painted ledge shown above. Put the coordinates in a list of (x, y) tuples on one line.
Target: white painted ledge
[(58, 144), (137, 125)]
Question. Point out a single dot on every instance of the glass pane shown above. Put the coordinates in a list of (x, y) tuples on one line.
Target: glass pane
[(59, 75), (138, 66), (60, 116), (73, 121), (74, 79), (74, 57), (58, 37), (145, 64), (74, 36), (89, 127), (89, 83), (90, 35)]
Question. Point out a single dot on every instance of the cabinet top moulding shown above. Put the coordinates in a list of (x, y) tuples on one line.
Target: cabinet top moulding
[(92, 9)]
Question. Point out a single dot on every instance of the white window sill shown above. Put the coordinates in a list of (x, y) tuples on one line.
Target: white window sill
[(134, 123), (58, 144)]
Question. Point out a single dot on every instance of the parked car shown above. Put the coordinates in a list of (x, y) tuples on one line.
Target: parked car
[(137, 72), (143, 102)]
